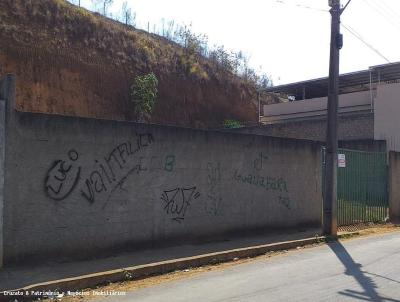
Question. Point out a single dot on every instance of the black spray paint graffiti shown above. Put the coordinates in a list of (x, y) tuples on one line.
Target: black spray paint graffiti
[(177, 201), (62, 177), (213, 204), (258, 162), (112, 172), (285, 201)]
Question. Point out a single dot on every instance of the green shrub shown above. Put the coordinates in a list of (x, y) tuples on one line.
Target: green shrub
[(144, 93), (232, 124)]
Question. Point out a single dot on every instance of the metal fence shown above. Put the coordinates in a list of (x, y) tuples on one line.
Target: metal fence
[(362, 187)]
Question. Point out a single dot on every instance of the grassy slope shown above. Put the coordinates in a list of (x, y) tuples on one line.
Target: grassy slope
[(70, 61)]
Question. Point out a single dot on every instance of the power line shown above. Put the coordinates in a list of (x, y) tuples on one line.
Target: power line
[(358, 36), (387, 9), (391, 9), (376, 8), (301, 6)]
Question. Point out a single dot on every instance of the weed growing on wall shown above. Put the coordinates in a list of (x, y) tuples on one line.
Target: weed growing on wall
[(144, 93)]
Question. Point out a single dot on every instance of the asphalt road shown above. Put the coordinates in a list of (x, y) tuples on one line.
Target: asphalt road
[(366, 269)]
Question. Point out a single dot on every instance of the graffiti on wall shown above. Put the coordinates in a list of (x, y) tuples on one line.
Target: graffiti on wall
[(257, 178), (177, 201), (266, 182), (213, 202), (114, 169), (285, 201), (110, 173), (169, 163), (259, 161), (62, 177)]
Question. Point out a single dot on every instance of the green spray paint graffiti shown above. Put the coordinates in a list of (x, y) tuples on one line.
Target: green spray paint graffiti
[(268, 183), (213, 202), (169, 163)]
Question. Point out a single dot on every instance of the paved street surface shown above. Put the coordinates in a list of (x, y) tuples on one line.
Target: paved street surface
[(366, 269)]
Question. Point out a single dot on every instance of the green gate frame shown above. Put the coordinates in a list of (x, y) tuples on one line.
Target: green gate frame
[(362, 187)]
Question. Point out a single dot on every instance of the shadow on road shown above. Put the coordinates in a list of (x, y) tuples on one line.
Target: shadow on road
[(354, 269)]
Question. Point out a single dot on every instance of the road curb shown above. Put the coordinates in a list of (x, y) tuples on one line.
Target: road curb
[(345, 235), (143, 271)]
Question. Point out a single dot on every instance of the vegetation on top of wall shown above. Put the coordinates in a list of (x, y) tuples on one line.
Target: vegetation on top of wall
[(232, 124)]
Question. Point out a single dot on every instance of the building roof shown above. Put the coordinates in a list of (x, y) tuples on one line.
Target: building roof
[(348, 82)]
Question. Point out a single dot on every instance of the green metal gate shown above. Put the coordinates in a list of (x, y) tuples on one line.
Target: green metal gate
[(362, 187)]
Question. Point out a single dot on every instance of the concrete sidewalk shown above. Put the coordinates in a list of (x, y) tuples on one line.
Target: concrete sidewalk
[(16, 277)]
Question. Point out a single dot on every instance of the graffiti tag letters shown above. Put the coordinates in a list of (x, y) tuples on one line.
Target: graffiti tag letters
[(213, 204), (109, 173), (177, 201), (256, 178), (285, 201), (268, 183), (62, 177)]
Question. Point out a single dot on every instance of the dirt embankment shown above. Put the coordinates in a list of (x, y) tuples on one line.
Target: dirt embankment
[(69, 61)]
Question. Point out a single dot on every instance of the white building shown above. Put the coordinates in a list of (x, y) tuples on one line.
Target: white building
[(369, 108)]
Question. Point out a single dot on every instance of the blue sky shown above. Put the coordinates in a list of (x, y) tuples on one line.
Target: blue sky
[(289, 39)]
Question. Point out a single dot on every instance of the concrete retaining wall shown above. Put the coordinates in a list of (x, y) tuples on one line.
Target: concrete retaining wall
[(394, 186), (77, 187)]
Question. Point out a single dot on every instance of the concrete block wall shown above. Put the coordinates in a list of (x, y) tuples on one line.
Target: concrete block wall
[(355, 102), (355, 127), (77, 187), (3, 92), (386, 108), (394, 186), (368, 145)]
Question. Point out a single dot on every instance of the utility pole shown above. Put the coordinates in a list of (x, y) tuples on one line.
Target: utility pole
[(330, 192), (259, 107)]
